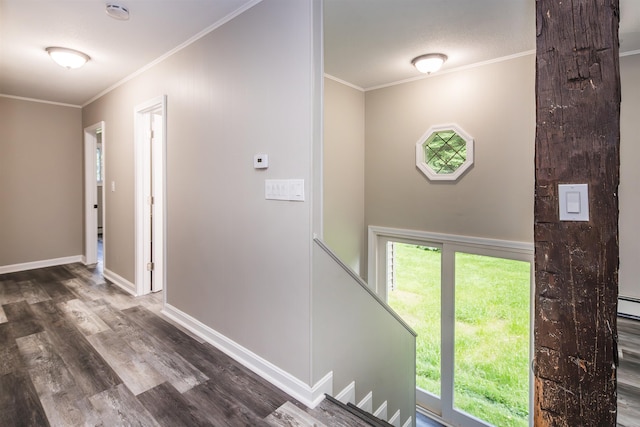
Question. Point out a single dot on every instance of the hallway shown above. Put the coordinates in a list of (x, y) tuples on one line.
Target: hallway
[(76, 350)]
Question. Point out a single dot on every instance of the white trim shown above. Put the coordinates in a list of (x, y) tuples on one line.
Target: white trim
[(381, 412), (408, 423), (41, 101), (142, 186), (348, 394), (629, 306), (366, 404), (120, 281), (514, 247), (395, 419), (311, 396), (629, 53), (91, 193), (4, 269), (423, 163), (343, 82), (176, 49), (453, 70), (450, 244)]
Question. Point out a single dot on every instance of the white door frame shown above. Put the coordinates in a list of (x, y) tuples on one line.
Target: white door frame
[(91, 193), (143, 183)]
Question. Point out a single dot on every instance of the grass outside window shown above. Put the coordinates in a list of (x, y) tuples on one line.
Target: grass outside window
[(491, 377)]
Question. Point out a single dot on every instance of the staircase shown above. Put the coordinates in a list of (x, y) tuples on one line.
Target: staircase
[(359, 340), (332, 413), (628, 372)]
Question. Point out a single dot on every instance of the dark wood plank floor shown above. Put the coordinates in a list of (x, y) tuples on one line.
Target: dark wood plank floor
[(76, 350), (629, 373)]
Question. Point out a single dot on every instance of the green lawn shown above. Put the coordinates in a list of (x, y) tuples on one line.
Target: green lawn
[(491, 379)]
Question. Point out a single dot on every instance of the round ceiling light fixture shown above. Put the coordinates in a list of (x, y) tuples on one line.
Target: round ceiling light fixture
[(117, 11), (67, 58), (429, 63)]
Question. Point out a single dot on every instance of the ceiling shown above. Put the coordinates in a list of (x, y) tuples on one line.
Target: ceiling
[(368, 43), (371, 43), (117, 48)]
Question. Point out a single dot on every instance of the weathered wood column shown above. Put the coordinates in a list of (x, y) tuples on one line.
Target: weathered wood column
[(576, 263)]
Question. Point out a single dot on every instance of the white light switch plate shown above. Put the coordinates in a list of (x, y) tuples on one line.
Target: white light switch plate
[(284, 189), (574, 202)]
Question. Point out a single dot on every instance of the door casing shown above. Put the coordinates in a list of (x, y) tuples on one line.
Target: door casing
[(144, 182), (90, 255)]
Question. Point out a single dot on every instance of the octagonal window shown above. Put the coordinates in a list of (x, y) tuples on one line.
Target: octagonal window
[(444, 152)]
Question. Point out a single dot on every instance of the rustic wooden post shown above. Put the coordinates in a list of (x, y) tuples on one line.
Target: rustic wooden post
[(576, 263)]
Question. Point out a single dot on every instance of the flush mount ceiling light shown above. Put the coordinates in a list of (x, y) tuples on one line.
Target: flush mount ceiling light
[(117, 11), (429, 63), (67, 58)]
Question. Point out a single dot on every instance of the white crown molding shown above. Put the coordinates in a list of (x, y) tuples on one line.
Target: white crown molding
[(343, 82), (41, 101), (454, 70), (176, 49)]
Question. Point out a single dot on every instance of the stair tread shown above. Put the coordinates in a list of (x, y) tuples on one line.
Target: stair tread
[(370, 416), (370, 419)]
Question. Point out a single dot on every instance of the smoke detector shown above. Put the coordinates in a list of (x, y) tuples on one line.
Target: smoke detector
[(117, 11)]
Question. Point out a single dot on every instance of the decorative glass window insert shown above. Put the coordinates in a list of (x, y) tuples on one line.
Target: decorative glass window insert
[(444, 153)]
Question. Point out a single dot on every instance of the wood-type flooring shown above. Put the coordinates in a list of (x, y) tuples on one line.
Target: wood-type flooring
[(78, 351), (629, 373)]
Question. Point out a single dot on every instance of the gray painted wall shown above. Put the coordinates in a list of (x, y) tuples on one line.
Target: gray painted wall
[(630, 177), (343, 166), (495, 104), (238, 263), (40, 181), (357, 339)]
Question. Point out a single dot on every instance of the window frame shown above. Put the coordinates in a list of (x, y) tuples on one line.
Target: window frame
[(421, 161)]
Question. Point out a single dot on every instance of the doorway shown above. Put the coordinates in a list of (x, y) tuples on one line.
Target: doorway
[(150, 151), (469, 300), (94, 167)]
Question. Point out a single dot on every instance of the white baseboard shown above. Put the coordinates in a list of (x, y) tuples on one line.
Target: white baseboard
[(395, 419), (39, 264), (408, 423), (381, 412), (366, 404), (629, 306), (348, 394), (120, 282), (311, 396)]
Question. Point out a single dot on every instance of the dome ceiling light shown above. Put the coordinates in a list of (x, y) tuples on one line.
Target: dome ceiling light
[(67, 58), (117, 11), (429, 63)]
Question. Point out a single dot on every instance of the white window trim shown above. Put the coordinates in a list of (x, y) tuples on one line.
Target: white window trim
[(450, 244), (421, 162)]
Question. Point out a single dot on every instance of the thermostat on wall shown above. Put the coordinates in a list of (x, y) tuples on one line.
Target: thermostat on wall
[(261, 161)]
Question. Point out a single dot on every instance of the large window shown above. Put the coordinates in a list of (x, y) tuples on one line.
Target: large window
[(469, 302)]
